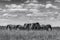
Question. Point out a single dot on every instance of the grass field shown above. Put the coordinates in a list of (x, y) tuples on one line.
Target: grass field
[(29, 35)]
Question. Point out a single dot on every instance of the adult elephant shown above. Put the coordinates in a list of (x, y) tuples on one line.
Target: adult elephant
[(12, 27), (20, 27), (8, 27), (27, 26), (36, 26), (46, 27), (49, 27)]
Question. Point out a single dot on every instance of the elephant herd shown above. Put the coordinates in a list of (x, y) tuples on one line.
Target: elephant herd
[(29, 26), (37, 26)]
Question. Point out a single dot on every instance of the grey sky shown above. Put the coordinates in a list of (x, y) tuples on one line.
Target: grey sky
[(46, 15)]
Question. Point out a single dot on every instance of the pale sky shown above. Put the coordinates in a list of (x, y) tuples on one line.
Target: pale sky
[(47, 14)]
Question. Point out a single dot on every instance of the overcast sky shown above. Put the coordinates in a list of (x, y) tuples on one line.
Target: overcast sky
[(26, 0), (48, 14)]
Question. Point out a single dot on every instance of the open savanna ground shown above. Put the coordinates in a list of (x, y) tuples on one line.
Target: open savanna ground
[(29, 35)]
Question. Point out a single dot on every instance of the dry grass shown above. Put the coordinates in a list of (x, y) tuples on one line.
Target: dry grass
[(29, 35)]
